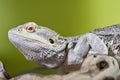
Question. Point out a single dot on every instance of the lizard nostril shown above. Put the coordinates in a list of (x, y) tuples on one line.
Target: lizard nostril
[(18, 30)]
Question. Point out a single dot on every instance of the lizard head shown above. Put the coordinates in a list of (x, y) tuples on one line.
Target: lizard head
[(39, 44)]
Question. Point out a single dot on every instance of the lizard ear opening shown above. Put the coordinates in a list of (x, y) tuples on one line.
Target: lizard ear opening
[(51, 41)]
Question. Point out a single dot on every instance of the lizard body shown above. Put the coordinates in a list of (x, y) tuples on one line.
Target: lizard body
[(111, 37), (45, 47)]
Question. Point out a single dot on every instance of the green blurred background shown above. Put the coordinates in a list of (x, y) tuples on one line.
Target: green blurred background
[(67, 17)]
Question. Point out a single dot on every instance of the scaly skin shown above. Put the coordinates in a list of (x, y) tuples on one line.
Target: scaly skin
[(39, 45), (111, 37), (45, 47)]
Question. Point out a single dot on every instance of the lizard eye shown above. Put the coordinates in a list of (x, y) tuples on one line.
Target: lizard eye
[(51, 41), (30, 27)]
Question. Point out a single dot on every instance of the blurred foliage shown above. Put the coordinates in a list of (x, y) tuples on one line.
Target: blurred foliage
[(67, 17)]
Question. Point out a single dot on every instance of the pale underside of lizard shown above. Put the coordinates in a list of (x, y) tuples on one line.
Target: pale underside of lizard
[(45, 47)]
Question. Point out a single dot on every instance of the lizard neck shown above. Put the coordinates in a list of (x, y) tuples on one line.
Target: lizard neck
[(65, 67), (73, 38)]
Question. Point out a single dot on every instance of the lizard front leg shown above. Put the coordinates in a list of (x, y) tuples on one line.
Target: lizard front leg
[(87, 44)]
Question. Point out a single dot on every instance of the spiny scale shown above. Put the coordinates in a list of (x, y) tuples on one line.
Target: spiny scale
[(109, 30), (111, 36)]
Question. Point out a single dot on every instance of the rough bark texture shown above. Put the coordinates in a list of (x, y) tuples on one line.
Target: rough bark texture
[(94, 67)]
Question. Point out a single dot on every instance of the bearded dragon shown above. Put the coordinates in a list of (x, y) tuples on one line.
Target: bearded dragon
[(47, 48)]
